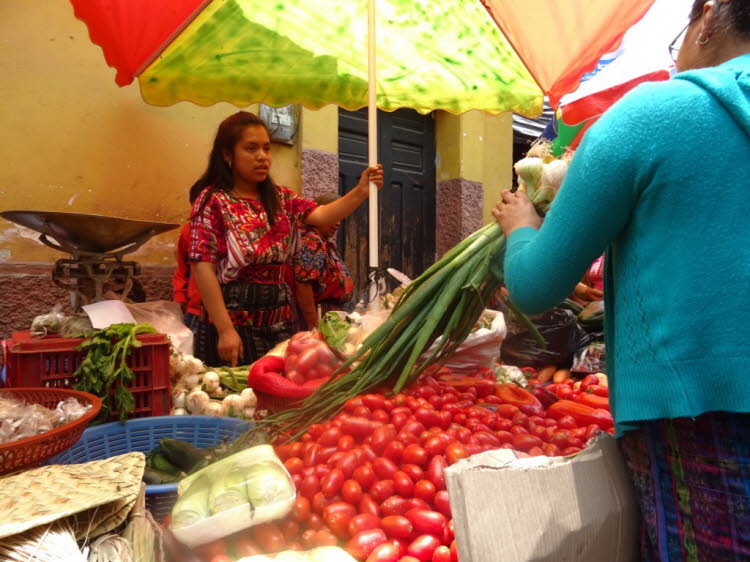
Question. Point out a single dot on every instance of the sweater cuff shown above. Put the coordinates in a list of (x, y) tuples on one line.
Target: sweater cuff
[(521, 236)]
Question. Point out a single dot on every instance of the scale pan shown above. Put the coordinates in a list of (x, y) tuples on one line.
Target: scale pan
[(88, 233)]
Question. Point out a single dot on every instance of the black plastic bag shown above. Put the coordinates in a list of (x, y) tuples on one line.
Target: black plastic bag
[(559, 329)]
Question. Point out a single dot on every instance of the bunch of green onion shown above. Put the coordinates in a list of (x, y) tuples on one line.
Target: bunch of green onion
[(444, 302)]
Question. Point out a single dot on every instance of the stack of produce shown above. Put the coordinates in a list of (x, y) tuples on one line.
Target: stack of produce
[(105, 373), (220, 391), (293, 371), (371, 478), (443, 304)]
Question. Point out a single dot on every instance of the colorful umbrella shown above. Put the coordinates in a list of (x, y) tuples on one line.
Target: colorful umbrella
[(642, 56), (431, 54), (453, 55)]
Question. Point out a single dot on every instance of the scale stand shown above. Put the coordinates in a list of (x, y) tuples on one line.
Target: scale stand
[(96, 244)]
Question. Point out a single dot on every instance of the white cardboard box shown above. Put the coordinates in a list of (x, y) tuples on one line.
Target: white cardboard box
[(564, 509)]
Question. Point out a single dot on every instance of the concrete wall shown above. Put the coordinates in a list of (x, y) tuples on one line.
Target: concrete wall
[(73, 141)]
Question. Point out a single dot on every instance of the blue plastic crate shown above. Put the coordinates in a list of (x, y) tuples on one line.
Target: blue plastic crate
[(143, 434)]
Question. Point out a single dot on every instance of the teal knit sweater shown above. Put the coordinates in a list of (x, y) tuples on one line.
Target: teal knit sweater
[(662, 182)]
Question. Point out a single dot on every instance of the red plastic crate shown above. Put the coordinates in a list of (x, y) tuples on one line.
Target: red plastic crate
[(50, 363)]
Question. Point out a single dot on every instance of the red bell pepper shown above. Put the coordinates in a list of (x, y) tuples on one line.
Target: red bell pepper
[(561, 390), (598, 389), (593, 400), (264, 376), (523, 399), (583, 414), (588, 380), (544, 396)]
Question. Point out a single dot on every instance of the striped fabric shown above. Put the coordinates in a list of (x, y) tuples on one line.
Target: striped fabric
[(692, 479)]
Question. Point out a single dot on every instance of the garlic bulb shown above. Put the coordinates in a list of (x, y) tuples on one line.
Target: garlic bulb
[(191, 381), (193, 364), (197, 400), (249, 400), (178, 399), (178, 412), (215, 409), (233, 404), (248, 413), (211, 381), (176, 364)]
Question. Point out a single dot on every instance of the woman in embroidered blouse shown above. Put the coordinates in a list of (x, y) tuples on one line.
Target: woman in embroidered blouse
[(321, 276), (242, 231)]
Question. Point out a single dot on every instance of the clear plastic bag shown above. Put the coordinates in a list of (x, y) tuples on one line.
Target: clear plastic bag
[(19, 420), (47, 323), (345, 332), (230, 495), (308, 357), (591, 359), (480, 349), (76, 325), (166, 317)]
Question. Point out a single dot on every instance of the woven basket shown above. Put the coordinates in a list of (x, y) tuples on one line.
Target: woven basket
[(32, 451), (94, 498)]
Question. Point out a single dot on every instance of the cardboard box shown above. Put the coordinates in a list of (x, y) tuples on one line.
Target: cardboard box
[(564, 509)]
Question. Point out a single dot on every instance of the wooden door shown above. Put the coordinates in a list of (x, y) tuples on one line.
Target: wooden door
[(406, 148)]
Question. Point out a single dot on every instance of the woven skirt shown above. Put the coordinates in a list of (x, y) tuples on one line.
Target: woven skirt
[(692, 479), (262, 315)]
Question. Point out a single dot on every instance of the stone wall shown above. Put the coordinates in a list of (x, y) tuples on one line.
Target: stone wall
[(459, 212), (27, 290)]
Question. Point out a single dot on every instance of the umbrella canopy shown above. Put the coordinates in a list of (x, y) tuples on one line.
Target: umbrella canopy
[(454, 55)]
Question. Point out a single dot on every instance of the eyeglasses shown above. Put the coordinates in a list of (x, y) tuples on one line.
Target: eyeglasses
[(676, 44)]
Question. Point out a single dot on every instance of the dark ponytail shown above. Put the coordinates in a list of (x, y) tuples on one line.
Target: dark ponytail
[(218, 174)]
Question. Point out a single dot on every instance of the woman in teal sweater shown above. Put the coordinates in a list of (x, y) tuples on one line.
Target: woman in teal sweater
[(662, 182)]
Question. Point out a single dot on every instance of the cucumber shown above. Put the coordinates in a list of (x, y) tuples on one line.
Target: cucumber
[(153, 476), (161, 463), (181, 454)]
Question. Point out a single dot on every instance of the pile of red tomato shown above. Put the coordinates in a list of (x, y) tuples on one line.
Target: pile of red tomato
[(371, 479)]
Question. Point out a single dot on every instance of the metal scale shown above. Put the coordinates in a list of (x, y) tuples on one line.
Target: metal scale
[(96, 244)]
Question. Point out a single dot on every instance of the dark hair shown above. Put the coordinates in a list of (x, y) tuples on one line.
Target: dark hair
[(218, 174), (734, 15)]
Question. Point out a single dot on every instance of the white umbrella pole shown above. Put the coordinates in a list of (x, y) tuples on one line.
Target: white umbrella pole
[(372, 134)]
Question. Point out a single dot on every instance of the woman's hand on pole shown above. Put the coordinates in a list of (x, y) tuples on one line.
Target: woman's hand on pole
[(335, 211), (372, 174), (515, 210)]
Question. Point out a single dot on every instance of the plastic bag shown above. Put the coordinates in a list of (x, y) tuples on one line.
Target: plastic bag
[(76, 325), (19, 420), (344, 332), (561, 332), (47, 323), (480, 349), (230, 495), (308, 357), (166, 317), (590, 359), (266, 377)]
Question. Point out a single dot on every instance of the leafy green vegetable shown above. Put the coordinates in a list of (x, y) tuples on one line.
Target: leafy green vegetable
[(335, 329), (105, 372)]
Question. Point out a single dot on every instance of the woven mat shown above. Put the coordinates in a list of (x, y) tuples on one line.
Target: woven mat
[(94, 497)]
